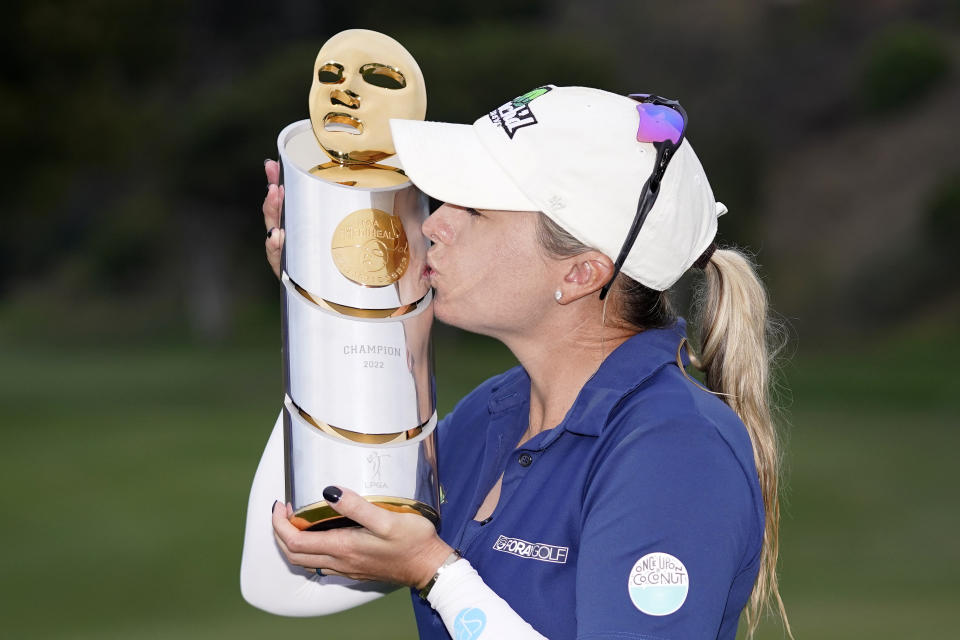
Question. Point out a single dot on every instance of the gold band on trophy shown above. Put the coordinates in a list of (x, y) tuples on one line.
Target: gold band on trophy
[(354, 312), (355, 436), (320, 515)]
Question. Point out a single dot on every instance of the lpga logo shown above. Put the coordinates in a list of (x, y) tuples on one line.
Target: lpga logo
[(658, 584), (374, 471)]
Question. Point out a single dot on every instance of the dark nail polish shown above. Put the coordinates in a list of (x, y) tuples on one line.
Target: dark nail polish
[(320, 572), (332, 495), (274, 506), (270, 233), (265, 161)]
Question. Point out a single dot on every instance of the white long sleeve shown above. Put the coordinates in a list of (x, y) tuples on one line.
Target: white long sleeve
[(469, 607), (267, 580)]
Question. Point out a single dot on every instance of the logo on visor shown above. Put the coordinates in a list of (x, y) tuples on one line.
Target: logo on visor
[(516, 114)]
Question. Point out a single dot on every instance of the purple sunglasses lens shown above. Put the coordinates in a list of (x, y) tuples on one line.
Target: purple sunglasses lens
[(658, 123)]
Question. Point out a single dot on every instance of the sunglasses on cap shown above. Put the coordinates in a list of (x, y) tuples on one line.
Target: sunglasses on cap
[(662, 123)]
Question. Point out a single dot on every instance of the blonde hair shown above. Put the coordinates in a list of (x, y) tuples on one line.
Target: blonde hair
[(738, 342)]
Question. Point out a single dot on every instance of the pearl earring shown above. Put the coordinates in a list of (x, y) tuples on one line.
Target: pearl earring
[(558, 295)]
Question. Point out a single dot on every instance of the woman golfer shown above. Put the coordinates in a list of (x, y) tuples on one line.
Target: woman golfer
[(596, 490)]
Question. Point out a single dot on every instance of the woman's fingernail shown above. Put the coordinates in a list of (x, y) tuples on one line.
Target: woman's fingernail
[(265, 161), (332, 494), (274, 506), (320, 572), (270, 233)]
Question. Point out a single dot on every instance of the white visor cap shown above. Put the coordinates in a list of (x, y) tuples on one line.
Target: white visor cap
[(572, 153)]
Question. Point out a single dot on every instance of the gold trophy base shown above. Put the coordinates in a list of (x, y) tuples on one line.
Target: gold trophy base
[(320, 516)]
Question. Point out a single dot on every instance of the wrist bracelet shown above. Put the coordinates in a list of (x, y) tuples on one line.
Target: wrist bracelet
[(453, 557)]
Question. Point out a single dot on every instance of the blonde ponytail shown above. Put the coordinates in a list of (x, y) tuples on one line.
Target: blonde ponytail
[(736, 348)]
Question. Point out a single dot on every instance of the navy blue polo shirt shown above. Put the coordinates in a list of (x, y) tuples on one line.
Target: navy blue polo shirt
[(638, 516)]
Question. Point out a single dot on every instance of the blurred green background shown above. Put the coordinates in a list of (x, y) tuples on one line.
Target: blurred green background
[(139, 324)]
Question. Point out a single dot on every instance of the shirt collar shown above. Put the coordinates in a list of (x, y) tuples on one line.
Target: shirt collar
[(624, 370)]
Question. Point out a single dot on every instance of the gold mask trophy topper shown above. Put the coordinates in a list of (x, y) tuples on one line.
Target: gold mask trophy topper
[(361, 79), (360, 405)]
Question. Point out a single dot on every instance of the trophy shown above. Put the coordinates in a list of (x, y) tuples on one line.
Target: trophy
[(360, 404)]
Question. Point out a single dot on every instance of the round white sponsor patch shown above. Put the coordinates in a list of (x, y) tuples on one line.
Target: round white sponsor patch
[(658, 584)]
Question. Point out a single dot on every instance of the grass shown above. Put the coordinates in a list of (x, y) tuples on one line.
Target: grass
[(124, 474), (870, 520)]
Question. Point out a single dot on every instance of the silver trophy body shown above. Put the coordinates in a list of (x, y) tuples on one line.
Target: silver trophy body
[(359, 407)]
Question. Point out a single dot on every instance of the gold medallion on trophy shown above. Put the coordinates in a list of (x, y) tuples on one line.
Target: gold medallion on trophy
[(370, 248)]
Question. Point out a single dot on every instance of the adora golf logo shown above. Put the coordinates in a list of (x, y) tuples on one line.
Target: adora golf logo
[(516, 114), (658, 584)]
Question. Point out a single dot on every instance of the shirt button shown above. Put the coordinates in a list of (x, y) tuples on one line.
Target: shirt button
[(525, 459)]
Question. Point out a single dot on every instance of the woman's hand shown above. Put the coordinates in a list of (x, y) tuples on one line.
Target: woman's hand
[(271, 214), (401, 548)]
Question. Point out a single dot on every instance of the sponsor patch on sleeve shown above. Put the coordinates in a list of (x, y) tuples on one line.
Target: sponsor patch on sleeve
[(469, 624), (658, 584)]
